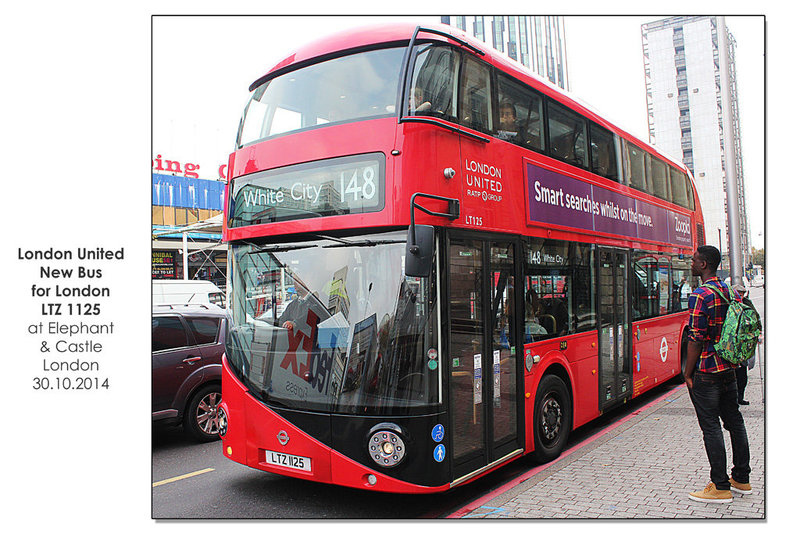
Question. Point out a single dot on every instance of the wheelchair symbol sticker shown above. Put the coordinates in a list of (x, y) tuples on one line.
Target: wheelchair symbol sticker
[(439, 453), (437, 433)]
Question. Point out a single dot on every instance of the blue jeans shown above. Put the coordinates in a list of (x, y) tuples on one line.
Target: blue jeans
[(714, 396)]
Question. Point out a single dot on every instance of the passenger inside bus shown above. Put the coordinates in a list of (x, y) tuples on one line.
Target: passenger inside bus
[(296, 314), (417, 102), (533, 326), (556, 310), (509, 130)]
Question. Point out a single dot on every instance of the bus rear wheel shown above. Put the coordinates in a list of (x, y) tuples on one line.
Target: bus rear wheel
[(552, 418)]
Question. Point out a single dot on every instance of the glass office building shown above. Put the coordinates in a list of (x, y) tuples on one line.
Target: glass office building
[(692, 104), (536, 42)]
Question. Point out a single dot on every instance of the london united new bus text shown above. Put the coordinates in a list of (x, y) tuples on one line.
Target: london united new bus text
[(69, 292)]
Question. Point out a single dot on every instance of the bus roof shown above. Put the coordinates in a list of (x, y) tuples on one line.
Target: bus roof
[(368, 36)]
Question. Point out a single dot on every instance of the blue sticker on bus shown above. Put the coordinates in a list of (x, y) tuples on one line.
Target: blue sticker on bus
[(439, 453), (437, 433)]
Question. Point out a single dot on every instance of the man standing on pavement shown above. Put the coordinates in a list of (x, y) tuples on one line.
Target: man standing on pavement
[(712, 384)]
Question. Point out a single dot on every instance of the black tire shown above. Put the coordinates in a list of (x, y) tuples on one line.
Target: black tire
[(552, 418), (200, 420)]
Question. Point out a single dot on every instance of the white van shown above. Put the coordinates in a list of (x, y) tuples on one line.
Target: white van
[(187, 292)]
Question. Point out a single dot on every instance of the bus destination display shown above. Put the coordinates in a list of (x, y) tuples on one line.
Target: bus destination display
[(337, 186)]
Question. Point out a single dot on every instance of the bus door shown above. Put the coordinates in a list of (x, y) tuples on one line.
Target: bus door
[(484, 371), (615, 358)]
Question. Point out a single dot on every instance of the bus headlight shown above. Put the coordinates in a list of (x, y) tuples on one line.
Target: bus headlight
[(385, 446)]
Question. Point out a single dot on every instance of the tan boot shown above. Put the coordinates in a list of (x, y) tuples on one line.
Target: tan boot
[(712, 494), (738, 487)]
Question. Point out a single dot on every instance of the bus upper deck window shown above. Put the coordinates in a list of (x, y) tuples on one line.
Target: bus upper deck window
[(680, 187), (324, 93), (659, 178), (604, 152), (520, 112), (476, 97), (433, 81), (636, 167), (567, 132)]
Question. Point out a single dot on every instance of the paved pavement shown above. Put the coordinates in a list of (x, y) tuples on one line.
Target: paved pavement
[(644, 467)]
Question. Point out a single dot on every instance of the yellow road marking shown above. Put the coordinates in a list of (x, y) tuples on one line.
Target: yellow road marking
[(188, 475)]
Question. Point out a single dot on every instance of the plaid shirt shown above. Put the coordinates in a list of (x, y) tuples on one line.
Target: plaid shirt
[(706, 315)]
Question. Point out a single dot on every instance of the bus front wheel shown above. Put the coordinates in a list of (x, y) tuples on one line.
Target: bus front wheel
[(552, 418)]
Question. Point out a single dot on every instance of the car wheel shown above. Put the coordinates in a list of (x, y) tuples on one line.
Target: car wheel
[(201, 420), (552, 418)]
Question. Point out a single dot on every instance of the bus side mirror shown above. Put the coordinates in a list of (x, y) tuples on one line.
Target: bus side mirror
[(419, 251), (419, 246)]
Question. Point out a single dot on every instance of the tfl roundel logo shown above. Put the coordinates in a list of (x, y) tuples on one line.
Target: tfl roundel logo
[(664, 349)]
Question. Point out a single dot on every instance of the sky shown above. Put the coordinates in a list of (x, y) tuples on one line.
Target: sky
[(203, 66)]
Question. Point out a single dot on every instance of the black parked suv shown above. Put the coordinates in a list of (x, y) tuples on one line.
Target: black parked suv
[(188, 342)]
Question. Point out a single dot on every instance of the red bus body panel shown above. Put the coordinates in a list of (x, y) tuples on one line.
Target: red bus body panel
[(657, 350), (254, 428)]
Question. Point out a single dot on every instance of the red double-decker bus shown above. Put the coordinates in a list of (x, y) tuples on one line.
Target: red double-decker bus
[(439, 263)]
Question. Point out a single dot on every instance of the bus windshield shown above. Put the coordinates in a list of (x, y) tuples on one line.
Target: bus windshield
[(334, 325), (354, 87)]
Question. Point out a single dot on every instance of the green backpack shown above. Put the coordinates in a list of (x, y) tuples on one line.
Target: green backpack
[(740, 330)]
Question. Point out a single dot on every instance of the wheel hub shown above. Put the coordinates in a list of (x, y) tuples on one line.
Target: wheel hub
[(551, 418), (207, 416)]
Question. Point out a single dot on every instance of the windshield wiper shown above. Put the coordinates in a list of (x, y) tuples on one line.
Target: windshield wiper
[(363, 243), (331, 238), (275, 248)]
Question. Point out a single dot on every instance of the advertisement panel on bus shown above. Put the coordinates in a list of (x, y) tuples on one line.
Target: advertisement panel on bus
[(558, 199)]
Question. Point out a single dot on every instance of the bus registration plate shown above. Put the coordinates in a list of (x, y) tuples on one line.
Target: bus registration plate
[(301, 463)]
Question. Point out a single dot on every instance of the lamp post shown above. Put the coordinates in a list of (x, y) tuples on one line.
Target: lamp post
[(731, 161)]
